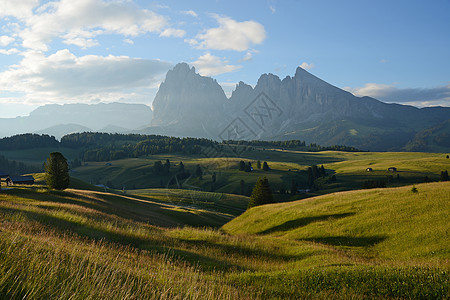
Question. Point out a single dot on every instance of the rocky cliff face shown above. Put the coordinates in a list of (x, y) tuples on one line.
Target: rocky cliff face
[(300, 107), (188, 103)]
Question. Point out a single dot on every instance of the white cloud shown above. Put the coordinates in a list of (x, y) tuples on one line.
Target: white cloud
[(307, 66), (413, 96), (248, 56), (9, 51), (228, 88), (17, 8), (272, 9), (210, 65), (79, 22), (64, 77), (190, 13), (6, 40), (231, 35), (171, 32), (128, 41)]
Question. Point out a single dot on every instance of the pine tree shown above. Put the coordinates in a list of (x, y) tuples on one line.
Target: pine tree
[(258, 164), (167, 166), (261, 194), (266, 166), (322, 171), (57, 171), (310, 177), (444, 176), (199, 172), (241, 165), (181, 168)]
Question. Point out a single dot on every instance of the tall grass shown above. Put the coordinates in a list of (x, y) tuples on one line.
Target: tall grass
[(91, 245)]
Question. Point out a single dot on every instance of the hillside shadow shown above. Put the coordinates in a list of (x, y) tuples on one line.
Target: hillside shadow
[(348, 241), (242, 251), (293, 224)]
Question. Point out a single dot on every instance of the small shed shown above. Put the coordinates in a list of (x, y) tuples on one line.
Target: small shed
[(392, 169), (13, 180), (369, 170)]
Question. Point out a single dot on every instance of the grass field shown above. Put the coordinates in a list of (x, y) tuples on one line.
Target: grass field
[(286, 167), (78, 244)]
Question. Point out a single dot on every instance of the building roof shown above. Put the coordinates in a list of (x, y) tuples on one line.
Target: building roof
[(21, 178)]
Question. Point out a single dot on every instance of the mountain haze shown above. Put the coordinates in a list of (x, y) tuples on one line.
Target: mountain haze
[(59, 120)]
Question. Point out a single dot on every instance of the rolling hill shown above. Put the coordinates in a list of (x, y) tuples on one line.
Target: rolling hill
[(389, 243)]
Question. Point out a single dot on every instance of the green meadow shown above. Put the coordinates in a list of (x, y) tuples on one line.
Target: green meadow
[(79, 244), (148, 236)]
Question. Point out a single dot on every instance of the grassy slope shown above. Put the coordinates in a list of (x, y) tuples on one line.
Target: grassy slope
[(392, 223), (349, 167), (90, 245)]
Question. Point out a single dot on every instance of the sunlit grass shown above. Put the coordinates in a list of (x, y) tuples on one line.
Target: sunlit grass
[(89, 245)]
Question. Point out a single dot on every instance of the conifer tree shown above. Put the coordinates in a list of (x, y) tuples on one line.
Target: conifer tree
[(261, 194), (241, 165), (57, 171)]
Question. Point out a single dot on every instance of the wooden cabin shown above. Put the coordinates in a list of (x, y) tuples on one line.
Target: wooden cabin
[(17, 180)]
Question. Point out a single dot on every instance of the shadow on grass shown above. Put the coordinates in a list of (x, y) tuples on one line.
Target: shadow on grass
[(289, 225), (349, 241), (148, 212), (92, 232), (224, 250)]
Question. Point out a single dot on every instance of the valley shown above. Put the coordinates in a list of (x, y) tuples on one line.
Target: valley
[(143, 234)]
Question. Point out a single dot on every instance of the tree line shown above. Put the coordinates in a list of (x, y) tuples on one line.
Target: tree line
[(28, 141), (13, 167)]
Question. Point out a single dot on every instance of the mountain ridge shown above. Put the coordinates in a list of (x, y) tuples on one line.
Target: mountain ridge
[(301, 107)]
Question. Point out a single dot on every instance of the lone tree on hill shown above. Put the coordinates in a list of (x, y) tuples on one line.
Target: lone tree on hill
[(261, 194), (57, 171)]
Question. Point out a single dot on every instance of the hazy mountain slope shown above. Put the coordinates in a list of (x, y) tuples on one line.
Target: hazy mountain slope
[(188, 104), (94, 117), (60, 130), (434, 139)]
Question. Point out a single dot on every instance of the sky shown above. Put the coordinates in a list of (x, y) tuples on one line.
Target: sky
[(91, 51)]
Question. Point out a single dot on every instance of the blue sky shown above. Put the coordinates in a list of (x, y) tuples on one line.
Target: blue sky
[(90, 51)]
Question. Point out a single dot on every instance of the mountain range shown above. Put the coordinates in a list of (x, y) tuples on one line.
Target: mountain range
[(59, 120), (301, 107)]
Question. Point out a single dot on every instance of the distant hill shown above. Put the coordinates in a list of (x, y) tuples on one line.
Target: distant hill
[(301, 107), (60, 130), (434, 139), (59, 120)]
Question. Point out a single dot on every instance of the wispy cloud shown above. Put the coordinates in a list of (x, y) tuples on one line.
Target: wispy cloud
[(190, 13), (413, 96), (307, 66), (210, 65), (230, 35), (6, 40), (171, 32)]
